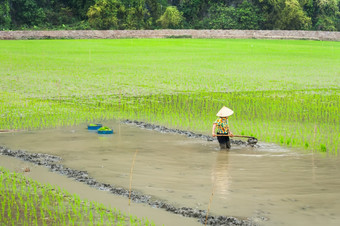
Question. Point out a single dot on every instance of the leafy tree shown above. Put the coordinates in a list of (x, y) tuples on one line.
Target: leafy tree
[(326, 15), (26, 12), (244, 15), (292, 17), (5, 17), (79, 7), (138, 17), (171, 18), (221, 17), (193, 10), (249, 16), (155, 9), (285, 14), (103, 14)]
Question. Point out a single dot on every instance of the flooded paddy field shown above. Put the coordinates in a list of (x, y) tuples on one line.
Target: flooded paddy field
[(269, 185)]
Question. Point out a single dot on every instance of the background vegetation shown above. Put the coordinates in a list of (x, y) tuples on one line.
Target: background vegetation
[(173, 14), (282, 91)]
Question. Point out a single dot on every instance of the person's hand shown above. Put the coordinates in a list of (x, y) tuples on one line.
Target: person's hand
[(214, 135), (231, 134)]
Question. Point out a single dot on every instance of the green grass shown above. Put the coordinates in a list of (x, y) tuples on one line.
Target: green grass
[(282, 91), (26, 202)]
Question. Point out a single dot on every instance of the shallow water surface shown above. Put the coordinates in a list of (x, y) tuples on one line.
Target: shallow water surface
[(271, 185)]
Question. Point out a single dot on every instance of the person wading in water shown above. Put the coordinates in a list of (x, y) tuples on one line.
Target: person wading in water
[(222, 126)]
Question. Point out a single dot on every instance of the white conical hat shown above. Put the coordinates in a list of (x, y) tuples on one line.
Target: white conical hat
[(225, 112)]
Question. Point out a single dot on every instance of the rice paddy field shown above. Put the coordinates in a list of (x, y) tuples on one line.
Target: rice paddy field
[(282, 91), (24, 201)]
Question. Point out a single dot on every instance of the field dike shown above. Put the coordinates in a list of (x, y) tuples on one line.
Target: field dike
[(168, 33), (53, 163)]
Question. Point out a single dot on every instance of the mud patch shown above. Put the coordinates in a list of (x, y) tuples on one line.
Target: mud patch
[(52, 162)]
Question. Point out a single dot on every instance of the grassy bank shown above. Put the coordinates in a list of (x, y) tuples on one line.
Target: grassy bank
[(282, 91)]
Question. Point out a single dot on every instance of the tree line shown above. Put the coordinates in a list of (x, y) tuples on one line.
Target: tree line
[(170, 14)]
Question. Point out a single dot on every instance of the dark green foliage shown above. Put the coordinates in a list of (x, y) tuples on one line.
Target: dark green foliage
[(245, 16), (155, 9), (5, 18), (249, 16), (285, 14), (193, 10), (114, 14), (326, 15), (79, 7), (137, 16), (63, 16), (292, 17), (104, 14), (26, 13), (151, 14), (221, 17)]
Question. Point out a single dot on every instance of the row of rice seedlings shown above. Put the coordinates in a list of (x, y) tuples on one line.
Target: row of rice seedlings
[(24, 113), (305, 119), (27, 202), (292, 118)]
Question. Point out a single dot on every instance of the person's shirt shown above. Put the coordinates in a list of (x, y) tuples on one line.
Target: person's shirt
[(222, 126)]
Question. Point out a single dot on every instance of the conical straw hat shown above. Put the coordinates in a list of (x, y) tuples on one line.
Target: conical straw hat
[(225, 112)]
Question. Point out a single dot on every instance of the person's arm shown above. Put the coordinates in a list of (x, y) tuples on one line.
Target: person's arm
[(230, 133), (213, 130)]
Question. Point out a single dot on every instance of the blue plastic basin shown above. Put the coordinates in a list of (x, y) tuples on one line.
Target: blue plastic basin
[(96, 127), (105, 131)]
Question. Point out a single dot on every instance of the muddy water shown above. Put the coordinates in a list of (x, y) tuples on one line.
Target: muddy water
[(283, 186), (43, 175)]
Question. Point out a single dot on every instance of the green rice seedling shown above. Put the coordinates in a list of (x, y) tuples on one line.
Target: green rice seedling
[(43, 211), (306, 145), (323, 148)]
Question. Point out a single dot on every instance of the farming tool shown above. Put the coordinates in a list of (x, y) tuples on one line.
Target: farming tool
[(251, 140)]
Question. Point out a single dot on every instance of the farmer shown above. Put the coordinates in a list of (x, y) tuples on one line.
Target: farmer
[(223, 130)]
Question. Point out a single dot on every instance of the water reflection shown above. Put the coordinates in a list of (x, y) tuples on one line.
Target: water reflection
[(220, 176)]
